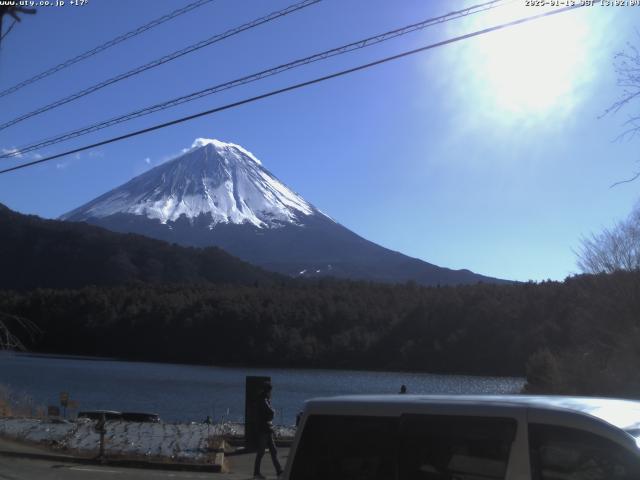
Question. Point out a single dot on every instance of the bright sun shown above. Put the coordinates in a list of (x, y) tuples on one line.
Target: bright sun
[(534, 67)]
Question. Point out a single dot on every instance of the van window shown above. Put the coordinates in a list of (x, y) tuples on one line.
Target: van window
[(411, 447), (561, 453), (436, 447), (346, 448)]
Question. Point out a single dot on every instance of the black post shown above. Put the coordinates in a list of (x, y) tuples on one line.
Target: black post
[(101, 454), (253, 391), (101, 428)]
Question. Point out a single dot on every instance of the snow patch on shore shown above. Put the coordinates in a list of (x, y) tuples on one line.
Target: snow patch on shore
[(178, 442), (165, 441)]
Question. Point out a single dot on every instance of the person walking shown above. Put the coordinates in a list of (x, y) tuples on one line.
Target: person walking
[(403, 389), (264, 417)]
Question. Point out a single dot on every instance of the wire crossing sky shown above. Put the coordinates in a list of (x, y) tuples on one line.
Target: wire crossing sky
[(367, 42), (104, 46), (293, 87), (165, 59)]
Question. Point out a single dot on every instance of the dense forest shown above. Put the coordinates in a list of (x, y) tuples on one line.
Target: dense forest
[(94, 292), (577, 336)]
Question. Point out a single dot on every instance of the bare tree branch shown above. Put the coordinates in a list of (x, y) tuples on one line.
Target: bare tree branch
[(613, 249), (629, 180), (627, 67), (9, 340)]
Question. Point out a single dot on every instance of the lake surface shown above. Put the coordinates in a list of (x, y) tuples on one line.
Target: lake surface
[(191, 392)]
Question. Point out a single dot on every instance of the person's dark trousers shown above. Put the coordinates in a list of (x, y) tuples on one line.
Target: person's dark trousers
[(266, 440)]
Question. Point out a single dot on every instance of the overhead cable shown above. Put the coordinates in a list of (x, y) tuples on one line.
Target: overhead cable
[(294, 87), (161, 61), (104, 46), (367, 42)]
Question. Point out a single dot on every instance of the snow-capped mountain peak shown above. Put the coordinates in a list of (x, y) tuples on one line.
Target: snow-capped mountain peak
[(223, 147), (219, 194), (212, 178)]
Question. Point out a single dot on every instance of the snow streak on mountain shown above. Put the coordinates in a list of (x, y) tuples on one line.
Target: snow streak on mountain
[(213, 178)]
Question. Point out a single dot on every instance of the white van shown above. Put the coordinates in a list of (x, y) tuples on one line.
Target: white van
[(407, 437)]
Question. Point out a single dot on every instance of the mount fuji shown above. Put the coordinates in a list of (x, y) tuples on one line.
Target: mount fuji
[(219, 194)]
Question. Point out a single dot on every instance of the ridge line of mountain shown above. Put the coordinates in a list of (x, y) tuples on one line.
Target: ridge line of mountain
[(220, 194), (42, 253)]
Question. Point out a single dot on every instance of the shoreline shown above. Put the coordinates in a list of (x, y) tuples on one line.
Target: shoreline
[(183, 392), (239, 366)]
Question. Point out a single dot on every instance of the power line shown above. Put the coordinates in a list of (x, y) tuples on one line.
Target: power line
[(165, 59), (106, 45), (367, 42), (294, 87)]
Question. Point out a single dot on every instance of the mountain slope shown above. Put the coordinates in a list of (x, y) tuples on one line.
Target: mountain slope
[(220, 194), (222, 181), (48, 253)]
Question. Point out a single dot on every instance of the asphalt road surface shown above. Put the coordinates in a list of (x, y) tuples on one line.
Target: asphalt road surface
[(21, 468), (28, 469)]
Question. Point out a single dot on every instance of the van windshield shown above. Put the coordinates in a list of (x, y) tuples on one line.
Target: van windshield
[(407, 447)]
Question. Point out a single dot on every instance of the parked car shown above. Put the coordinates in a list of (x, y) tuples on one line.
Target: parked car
[(141, 417), (124, 416), (97, 414), (402, 437)]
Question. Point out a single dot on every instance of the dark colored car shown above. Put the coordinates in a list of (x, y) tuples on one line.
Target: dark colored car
[(97, 414), (140, 417)]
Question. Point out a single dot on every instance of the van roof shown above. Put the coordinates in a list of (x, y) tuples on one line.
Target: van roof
[(624, 414)]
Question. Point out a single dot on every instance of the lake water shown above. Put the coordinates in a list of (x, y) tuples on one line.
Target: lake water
[(191, 392)]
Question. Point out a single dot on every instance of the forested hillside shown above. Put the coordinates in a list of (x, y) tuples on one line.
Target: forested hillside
[(49, 253), (577, 336)]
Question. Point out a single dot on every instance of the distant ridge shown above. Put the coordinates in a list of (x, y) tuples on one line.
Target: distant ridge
[(220, 194), (37, 253)]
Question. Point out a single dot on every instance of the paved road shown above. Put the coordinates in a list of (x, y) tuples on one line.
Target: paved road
[(17, 468), (27, 469)]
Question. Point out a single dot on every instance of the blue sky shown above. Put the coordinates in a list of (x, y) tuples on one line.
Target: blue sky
[(488, 154)]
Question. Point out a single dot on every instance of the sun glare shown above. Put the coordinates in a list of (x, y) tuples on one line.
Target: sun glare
[(531, 68)]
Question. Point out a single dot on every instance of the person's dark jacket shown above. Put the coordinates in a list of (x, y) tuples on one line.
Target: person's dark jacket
[(265, 415)]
